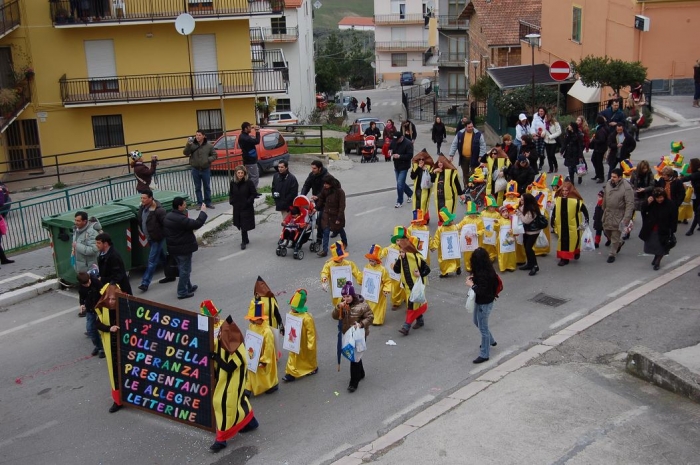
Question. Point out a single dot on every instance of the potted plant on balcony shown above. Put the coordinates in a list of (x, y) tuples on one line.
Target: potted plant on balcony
[(28, 73), (8, 101), (277, 6)]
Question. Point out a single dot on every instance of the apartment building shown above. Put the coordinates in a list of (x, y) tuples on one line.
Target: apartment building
[(96, 78), (401, 39), (453, 46)]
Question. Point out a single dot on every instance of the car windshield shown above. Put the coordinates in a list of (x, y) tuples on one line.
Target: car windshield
[(222, 143), (379, 124), (406, 74), (274, 118)]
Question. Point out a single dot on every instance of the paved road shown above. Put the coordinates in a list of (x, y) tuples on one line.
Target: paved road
[(58, 411)]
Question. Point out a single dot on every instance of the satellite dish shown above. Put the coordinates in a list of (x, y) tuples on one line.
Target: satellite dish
[(373, 65), (184, 24)]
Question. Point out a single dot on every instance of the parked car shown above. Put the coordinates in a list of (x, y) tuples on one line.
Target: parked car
[(407, 78), (355, 137), (283, 118), (271, 150)]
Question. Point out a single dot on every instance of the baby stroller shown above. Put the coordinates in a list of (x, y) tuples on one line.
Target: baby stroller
[(369, 150), (298, 231), (476, 188)]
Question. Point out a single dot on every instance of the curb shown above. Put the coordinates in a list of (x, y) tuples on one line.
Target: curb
[(25, 293), (215, 221), (660, 370), (396, 435)]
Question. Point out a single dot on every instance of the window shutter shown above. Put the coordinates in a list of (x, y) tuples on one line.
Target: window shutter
[(100, 58)]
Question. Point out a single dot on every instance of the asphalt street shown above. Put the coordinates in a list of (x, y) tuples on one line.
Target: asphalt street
[(54, 397)]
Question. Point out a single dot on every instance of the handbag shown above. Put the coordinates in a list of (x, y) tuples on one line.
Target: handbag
[(470, 305), (581, 169), (671, 241), (3, 226), (540, 222)]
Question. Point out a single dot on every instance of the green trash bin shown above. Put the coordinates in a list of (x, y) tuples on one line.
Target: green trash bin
[(140, 248), (114, 219)]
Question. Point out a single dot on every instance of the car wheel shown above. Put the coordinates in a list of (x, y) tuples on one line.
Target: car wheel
[(347, 149)]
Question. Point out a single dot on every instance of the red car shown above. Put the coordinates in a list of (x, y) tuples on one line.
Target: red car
[(271, 150), (355, 138)]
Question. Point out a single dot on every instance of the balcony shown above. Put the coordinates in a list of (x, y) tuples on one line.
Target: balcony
[(268, 59), (9, 17), (256, 35), (401, 46), (281, 34), (13, 101), (149, 88), (452, 59), (398, 18), (452, 23), (126, 12)]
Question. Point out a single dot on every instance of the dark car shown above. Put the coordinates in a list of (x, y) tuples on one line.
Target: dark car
[(407, 78), (355, 137)]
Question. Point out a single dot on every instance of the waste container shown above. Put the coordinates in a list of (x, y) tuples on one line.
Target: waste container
[(140, 248), (114, 219)]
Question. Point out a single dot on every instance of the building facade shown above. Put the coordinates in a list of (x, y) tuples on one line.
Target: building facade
[(111, 77), (356, 23), (401, 39), (453, 46)]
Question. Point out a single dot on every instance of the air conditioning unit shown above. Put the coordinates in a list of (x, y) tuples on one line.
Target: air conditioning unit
[(642, 23)]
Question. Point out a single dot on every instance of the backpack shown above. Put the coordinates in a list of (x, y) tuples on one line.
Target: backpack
[(499, 285)]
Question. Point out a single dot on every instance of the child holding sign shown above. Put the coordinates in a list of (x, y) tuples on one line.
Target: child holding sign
[(420, 230), (389, 255), (338, 271), (411, 266), (505, 241), (490, 218), (446, 242), (300, 339), (262, 357), (470, 230), (376, 284)]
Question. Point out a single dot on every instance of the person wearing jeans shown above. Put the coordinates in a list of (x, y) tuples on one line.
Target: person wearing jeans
[(527, 212), (182, 243), (202, 180), (485, 283), (150, 218), (201, 154), (402, 154)]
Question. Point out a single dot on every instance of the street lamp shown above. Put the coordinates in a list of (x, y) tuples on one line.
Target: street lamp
[(533, 39), (475, 64)]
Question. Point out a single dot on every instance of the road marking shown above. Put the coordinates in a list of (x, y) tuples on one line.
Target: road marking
[(68, 294), (664, 134), (36, 322), (231, 256), (20, 276), (493, 360), (565, 320), (28, 433), (676, 262), (625, 288), (369, 211)]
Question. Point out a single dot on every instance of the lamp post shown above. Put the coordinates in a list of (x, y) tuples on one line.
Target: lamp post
[(533, 39)]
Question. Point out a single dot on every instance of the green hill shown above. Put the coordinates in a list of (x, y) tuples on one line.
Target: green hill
[(332, 11)]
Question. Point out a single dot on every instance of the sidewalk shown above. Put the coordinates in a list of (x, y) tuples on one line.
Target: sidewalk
[(676, 108), (568, 399)]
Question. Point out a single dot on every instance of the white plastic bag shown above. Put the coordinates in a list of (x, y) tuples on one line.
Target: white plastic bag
[(471, 301), (501, 185), (542, 241), (425, 181), (360, 343), (418, 292), (587, 244), (516, 225), (348, 348)]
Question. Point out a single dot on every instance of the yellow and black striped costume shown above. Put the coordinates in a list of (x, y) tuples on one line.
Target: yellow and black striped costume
[(567, 222), (107, 318)]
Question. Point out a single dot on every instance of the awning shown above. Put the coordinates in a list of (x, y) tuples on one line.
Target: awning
[(509, 77), (584, 94)]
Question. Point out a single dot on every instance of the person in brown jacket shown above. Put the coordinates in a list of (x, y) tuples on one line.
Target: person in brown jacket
[(618, 208), (143, 173), (353, 311), (332, 201)]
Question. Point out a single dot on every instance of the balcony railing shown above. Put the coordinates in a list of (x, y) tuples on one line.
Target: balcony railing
[(399, 18), (173, 86), (73, 13), (256, 35), (420, 45), (281, 34), (452, 59), (9, 113), (452, 22), (9, 17), (526, 28), (268, 59)]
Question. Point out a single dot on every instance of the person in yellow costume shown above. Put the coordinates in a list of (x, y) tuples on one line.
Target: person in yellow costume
[(685, 211), (305, 362), (398, 296), (411, 266), (233, 413), (497, 162), (338, 255), (512, 202), (421, 168), (447, 265), (471, 219), (505, 244), (375, 265), (542, 194), (567, 220), (264, 380), (263, 294), (490, 218), (423, 231), (106, 324), (448, 189)]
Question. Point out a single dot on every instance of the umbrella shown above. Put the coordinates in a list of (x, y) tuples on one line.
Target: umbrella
[(339, 348)]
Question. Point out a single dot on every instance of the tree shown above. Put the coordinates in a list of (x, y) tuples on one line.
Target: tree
[(359, 59), (514, 101), (482, 88), (605, 71), (327, 76)]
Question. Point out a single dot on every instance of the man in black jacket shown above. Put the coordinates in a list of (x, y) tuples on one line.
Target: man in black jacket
[(182, 243), (111, 265), (402, 153), (522, 173), (248, 144), (314, 184), (89, 295), (150, 219), (621, 146), (284, 187)]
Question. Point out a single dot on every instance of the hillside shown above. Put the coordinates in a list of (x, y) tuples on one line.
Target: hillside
[(332, 11)]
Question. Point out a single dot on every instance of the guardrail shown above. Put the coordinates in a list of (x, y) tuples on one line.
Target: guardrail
[(399, 18), (452, 22), (9, 17), (419, 45)]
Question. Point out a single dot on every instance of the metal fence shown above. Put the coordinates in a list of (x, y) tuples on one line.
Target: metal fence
[(9, 16)]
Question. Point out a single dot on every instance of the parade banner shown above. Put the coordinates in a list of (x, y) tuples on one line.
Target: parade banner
[(423, 241), (489, 231), (449, 245), (391, 256), (339, 276), (371, 285), (253, 345), (292, 333), (468, 238), (164, 365)]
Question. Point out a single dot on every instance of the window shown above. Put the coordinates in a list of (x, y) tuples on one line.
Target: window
[(455, 7), (283, 104), (209, 121), (272, 141), (399, 59), (108, 131), (228, 141), (456, 84), (279, 25), (576, 24)]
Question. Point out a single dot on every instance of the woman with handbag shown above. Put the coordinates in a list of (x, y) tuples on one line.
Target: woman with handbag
[(659, 221), (566, 220), (485, 283), (534, 222)]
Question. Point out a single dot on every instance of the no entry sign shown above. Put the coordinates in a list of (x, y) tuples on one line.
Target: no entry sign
[(560, 70)]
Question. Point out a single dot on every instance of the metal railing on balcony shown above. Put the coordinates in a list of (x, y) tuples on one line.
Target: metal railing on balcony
[(256, 35), (399, 18), (10, 112), (526, 28), (172, 86), (452, 59), (420, 45), (281, 34), (452, 22), (9, 17), (66, 13), (268, 59)]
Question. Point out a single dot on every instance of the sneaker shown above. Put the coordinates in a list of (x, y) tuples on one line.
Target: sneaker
[(322, 253), (410, 199), (143, 287), (211, 207), (398, 205), (186, 296)]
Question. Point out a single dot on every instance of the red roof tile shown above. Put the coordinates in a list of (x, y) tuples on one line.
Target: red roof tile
[(499, 19), (356, 21), (293, 3)]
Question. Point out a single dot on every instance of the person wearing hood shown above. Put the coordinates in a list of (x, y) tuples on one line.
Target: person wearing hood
[(497, 162), (375, 267), (421, 168), (263, 294), (84, 251), (447, 265), (521, 129), (522, 173), (144, 174), (338, 258), (201, 154), (448, 189), (314, 186), (332, 202), (264, 379), (305, 363), (150, 219), (242, 196), (569, 211), (411, 266), (573, 150), (233, 413), (352, 310)]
